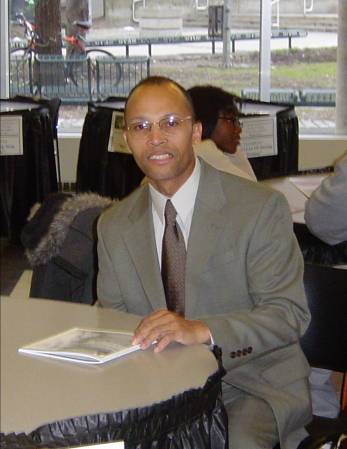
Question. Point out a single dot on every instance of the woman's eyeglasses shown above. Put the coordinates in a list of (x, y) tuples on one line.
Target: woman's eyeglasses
[(234, 121)]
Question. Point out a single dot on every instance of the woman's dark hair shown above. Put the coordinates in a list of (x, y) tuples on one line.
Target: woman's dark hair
[(209, 102)]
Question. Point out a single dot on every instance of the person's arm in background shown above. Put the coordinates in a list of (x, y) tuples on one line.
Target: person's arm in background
[(326, 209)]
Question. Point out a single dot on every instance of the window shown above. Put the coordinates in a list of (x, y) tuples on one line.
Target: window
[(54, 59)]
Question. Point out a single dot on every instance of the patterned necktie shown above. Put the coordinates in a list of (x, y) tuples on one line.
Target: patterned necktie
[(173, 261)]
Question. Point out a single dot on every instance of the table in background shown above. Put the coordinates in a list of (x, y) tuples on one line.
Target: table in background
[(297, 189), (177, 390), (28, 178), (108, 173)]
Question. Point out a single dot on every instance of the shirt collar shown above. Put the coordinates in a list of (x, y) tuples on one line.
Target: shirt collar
[(183, 200)]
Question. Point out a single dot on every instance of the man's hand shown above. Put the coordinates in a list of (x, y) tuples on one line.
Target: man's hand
[(164, 327)]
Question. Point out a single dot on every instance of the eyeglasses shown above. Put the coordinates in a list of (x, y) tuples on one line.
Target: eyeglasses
[(167, 125), (233, 120)]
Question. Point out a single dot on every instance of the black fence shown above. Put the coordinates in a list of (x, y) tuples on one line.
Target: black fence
[(304, 97), (76, 79)]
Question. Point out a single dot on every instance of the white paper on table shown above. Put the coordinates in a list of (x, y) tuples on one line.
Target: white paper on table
[(116, 142), (114, 445), (259, 136), (11, 135)]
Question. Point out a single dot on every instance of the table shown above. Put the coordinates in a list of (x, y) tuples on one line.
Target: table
[(285, 162), (37, 391), (297, 190), (109, 173), (28, 178), (295, 198)]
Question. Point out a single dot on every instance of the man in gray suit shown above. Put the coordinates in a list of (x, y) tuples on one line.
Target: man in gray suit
[(243, 275)]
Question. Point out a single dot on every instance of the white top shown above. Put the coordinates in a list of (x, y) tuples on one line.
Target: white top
[(326, 209), (236, 164), (183, 201)]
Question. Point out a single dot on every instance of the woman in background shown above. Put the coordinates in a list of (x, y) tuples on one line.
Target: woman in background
[(217, 110)]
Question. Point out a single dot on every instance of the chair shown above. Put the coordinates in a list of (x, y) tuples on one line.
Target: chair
[(60, 242), (325, 343)]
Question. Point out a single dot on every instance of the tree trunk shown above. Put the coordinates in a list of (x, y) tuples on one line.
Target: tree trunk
[(48, 28)]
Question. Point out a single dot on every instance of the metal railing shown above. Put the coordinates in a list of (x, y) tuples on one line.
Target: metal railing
[(303, 97), (76, 80)]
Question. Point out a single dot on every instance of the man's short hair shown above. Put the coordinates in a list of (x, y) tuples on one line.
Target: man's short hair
[(160, 80)]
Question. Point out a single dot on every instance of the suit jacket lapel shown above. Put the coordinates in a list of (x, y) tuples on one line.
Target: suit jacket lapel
[(140, 240), (207, 223)]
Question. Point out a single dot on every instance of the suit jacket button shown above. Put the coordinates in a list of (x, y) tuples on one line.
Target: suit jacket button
[(233, 354), (238, 353), (249, 349), (244, 351)]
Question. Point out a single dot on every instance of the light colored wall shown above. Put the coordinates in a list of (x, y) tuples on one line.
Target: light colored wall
[(314, 152), (68, 152), (320, 151)]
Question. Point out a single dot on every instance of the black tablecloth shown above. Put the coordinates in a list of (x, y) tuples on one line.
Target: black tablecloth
[(28, 178), (107, 173), (195, 419), (286, 161)]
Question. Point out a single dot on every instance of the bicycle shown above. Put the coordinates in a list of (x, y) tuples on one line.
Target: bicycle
[(33, 40), (77, 68), (76, 50)]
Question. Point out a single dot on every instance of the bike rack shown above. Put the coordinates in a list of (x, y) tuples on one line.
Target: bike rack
[(203, 6), (277, 3), (308, 8), (136, 19)]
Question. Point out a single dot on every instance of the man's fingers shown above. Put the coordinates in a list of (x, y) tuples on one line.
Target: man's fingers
[(163, 327), (151, 324), (161, 344)]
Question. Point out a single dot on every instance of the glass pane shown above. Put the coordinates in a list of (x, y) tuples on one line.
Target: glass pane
[(306, 73), (106, 52)]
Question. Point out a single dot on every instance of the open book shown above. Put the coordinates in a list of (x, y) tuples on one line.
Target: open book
[(83, 346)]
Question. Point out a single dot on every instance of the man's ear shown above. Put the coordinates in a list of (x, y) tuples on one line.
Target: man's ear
[(125, 137), (197, 131)]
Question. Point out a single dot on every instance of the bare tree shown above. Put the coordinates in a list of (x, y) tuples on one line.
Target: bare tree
[(48, 26)]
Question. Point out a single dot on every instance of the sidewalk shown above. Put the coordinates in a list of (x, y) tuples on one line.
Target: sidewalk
[(312, 40)]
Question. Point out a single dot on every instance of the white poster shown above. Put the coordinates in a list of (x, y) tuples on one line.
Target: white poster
[(259, 136), (11, 135), (116, 142)]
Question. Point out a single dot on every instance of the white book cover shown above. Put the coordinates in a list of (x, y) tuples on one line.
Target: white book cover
[(78, 345)]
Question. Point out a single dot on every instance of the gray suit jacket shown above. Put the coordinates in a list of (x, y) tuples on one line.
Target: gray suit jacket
[(243, 279)]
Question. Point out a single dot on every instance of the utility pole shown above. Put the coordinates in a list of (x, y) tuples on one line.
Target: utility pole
[(226, 33), (341, 69), (4, 59), (265, 50)]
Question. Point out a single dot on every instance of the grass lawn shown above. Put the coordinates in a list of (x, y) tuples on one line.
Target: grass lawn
[(295, 69)]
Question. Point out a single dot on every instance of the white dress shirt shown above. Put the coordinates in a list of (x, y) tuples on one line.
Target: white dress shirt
[(183, 201)]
